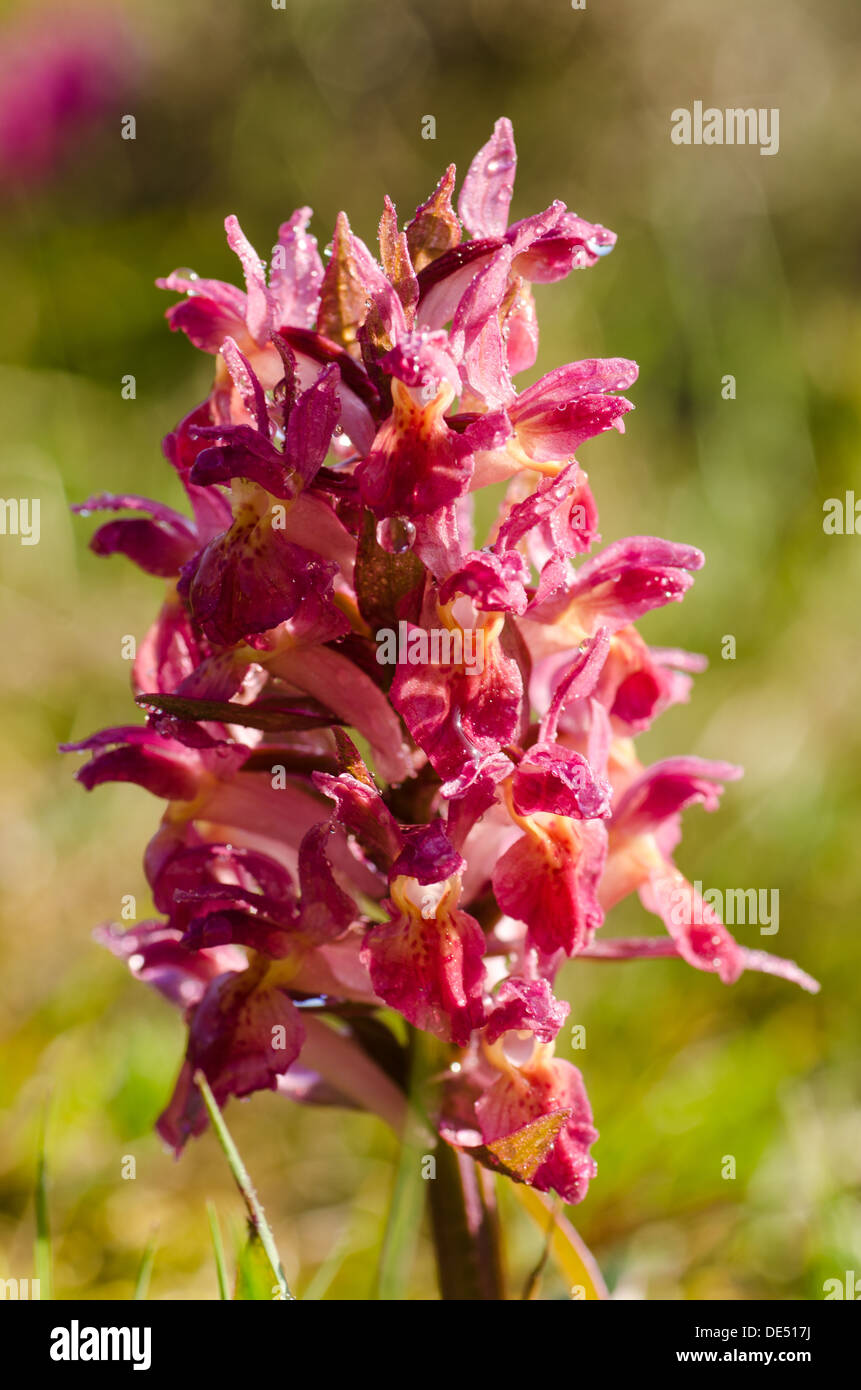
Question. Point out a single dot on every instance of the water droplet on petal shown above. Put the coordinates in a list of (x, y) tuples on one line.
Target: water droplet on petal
[(396, 534)]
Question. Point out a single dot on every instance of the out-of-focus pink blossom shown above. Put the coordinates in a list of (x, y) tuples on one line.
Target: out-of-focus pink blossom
[(63, 72)]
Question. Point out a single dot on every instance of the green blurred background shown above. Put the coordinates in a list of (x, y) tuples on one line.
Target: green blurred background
[(727, 263)]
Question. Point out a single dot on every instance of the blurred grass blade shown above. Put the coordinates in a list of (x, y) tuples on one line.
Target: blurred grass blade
[(145, 1271), (409, 1189), (330, 1268), (218, 1251), (256, 1217), (532, 1287), (403, 1222), (570, 1255), (42, 1253)]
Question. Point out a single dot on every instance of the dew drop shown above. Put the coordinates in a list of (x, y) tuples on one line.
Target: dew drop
[(596, 248), (396, 534), (186, 274)]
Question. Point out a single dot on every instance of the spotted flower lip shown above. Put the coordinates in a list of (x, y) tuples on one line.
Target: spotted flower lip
[(350, 834)]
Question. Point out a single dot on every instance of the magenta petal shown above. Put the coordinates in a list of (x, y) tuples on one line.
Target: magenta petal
[(557, 780), (571, 243), (154, 548), (666, 788), (253, 578), (204, 322), (212, 512), (460, 719), (631, 577), (562, 508), (550, 429), (551, 884), (521, 1005), (155, 955), (521, 333), (423, 360), (260, 305), (325, 910), (296, 273), (578, 681), (542, 1089), (354, 697), (361, 810), (159, 765), (312, 422), (229, 299), (417, 465), (160, 544), (700, 936), (247, 384), (243, 1035), (191, 873), (443, 283), (493, 582), (169, 653), (486, 193), (476, 335), (430, 968), (235, 458), (783, 969), (428, 855)]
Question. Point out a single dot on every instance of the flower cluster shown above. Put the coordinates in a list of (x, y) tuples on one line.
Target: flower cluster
[(341, 837)]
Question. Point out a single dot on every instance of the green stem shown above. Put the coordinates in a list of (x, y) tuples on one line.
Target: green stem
[(256, 1215), (465, 1228)]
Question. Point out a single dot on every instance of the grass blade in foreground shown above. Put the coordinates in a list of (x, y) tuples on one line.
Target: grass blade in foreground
[(256, 1216), (145, 1271), (572, 1258), (218, 1251), (42, 1253)]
